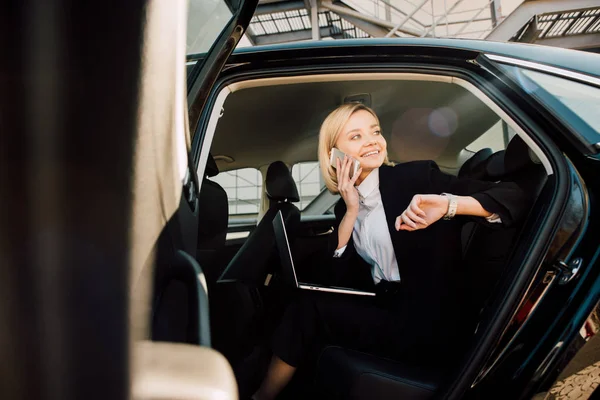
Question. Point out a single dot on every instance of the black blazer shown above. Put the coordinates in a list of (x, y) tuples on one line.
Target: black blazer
[(429, 260)]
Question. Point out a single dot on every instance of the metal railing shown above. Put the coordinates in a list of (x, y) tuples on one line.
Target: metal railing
[(459, 18)]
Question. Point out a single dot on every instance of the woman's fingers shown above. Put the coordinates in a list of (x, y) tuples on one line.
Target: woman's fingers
[(414, 217), (340, 175), (344, 180), (356, 175), (338, 169), (344, 171), (401, 226), (414, 207), (408, 221)]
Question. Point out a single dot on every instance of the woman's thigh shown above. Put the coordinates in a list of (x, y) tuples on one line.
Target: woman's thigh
[(351, 321)]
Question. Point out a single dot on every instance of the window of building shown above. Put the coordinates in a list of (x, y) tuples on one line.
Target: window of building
[(243, 187)]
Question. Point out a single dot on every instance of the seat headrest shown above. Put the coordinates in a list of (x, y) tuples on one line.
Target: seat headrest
[(494, 166), (484, 165), (516, 156), (211, 167), (474, 167), (279, 184)]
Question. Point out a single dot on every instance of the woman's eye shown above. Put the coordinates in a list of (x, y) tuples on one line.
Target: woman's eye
[(378, 132), (355, 137)]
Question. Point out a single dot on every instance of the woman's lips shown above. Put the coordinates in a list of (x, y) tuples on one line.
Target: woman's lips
[(370, 154)]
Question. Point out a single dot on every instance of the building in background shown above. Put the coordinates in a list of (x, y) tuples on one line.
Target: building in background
[(562, 23), (283, 21)]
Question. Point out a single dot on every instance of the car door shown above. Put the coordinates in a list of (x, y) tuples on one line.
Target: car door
[(92, 170), (214, 28), (179, 307), (180, 311)]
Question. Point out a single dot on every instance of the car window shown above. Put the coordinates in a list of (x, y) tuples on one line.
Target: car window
[(496, 138), (206, 20), (307, 176), (575, 104), (243, 187)]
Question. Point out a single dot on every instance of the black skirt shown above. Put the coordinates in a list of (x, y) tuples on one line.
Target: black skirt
[(362, 323)]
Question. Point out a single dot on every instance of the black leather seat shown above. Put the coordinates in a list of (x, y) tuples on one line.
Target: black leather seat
[(350, 374), (238, 304), (252, 261), (474, 167), (212, 223)]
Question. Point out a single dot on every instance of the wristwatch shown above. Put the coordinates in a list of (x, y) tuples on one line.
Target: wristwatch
[(452, 206)]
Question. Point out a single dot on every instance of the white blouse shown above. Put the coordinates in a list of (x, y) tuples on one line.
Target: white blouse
[(371, 236)]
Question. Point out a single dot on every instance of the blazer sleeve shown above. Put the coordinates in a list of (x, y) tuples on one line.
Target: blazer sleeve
[(349, 269), (506, 199), (340, 211)]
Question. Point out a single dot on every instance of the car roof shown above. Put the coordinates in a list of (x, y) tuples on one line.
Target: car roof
[(574, 60)]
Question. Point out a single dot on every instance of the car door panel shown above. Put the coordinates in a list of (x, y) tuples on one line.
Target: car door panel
[(179, 240)]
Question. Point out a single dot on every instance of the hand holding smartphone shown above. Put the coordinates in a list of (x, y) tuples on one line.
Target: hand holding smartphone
[(338, 154)]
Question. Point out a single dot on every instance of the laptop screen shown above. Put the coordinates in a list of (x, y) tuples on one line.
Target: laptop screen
[(285, 254)]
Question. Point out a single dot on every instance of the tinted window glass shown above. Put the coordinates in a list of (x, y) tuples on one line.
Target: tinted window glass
[(575, 104)]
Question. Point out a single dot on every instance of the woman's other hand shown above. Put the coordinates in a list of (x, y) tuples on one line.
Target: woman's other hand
[(424, 210), (346, 184)]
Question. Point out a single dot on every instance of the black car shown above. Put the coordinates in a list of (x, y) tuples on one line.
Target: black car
[(492, 111), (497, 111)]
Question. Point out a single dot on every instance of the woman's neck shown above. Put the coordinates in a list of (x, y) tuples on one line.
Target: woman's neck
[(362, 177)]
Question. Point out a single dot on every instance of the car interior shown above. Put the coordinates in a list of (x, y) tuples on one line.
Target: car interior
[(261, 144)]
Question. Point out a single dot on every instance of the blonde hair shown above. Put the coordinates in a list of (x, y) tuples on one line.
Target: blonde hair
[(329, 134)]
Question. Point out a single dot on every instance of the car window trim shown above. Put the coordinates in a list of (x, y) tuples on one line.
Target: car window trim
[(577, 76)]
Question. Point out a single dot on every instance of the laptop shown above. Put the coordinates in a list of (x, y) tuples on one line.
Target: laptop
[(287, 263)]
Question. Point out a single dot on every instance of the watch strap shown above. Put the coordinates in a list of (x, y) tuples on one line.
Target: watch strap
[(452, 206)]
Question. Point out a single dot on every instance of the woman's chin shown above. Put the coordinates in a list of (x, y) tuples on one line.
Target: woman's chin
[(371, 164)]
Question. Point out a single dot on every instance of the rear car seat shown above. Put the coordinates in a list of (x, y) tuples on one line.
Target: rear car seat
[(474, 167), (486, 250), (251, 263), (212, 223)]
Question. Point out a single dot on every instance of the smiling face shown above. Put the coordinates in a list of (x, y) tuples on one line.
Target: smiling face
[(361, 139)]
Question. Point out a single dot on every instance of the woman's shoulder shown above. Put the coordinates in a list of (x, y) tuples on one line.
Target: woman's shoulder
[(408, 169)]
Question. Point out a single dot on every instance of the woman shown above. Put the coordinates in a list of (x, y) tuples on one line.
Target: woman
[(396, 234)]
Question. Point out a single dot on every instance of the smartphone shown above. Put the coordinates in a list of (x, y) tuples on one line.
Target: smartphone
[(337, 153)]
